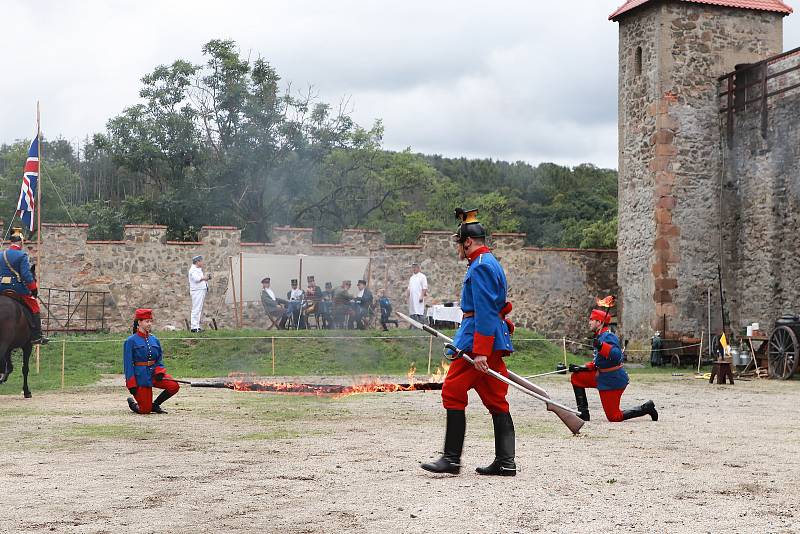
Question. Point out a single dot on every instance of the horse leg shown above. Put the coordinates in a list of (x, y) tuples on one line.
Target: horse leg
[(5, 364), (26, 356)]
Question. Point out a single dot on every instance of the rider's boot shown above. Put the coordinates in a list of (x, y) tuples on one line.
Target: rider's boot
[(36, 335)]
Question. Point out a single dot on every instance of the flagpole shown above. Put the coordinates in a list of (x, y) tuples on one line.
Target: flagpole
[(38, 208), (39, 181)]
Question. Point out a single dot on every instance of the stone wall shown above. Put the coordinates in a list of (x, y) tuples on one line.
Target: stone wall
[(670, 158), (762, 203), (552, 289)]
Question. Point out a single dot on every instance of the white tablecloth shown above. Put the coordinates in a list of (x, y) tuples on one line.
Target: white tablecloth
[(452, 314)]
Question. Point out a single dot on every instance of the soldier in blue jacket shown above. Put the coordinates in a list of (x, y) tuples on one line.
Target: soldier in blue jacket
[(606, 373), (144, 367), (16, 275), (485, 334)]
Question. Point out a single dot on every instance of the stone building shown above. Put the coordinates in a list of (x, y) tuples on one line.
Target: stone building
[(686, 187)]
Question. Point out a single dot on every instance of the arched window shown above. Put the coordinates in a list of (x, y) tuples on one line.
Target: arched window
[(637, 62)]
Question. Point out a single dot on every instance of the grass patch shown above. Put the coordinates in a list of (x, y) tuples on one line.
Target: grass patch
[(107, 431), (272, 435), (297, 353)]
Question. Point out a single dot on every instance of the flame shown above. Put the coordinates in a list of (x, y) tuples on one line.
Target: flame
[(412, 371), (440, 373), (338, 391), (607, 302)]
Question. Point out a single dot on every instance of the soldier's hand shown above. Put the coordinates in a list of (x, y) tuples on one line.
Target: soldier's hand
[(159, 376), (481, 364), (133, 391)]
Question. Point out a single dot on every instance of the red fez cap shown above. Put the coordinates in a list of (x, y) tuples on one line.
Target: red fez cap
[(600, 315), (143, 313)]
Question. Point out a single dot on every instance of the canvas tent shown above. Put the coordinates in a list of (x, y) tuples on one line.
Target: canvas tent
[(247, 270)]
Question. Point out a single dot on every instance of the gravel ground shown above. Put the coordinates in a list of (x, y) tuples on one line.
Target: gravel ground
[(721, 459)]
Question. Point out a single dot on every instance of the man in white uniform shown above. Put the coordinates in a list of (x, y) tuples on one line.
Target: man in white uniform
[(198, 288), (417, 291)]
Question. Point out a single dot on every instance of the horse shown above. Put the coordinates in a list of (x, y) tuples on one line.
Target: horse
[(15, 333)]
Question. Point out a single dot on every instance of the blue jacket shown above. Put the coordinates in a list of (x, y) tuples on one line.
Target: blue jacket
[(142, 350), (606, 356), (484, 295), (18, 261)]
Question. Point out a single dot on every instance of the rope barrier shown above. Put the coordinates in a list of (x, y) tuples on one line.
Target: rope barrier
[(552, 340)]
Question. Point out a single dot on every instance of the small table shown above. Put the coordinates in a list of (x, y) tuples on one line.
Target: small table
[(722, 370), (450, 314)]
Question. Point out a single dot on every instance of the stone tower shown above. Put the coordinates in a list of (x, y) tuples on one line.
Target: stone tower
[(671, 53)]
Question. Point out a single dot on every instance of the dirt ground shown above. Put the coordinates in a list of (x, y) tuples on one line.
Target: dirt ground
[(720, 459)]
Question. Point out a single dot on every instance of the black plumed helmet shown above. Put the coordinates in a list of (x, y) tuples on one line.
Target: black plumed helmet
[(468, 225)]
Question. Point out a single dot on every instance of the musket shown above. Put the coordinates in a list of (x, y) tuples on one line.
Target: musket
[(178, 381), (569, 416)]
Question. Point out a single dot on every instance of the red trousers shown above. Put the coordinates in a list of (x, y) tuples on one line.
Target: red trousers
[(31, 303), (144, 395), (462, 376), (609, 397)]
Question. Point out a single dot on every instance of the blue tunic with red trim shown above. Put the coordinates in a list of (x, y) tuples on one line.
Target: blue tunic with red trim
[(607, 356), (17, 264), (146, 352), (484, 294)]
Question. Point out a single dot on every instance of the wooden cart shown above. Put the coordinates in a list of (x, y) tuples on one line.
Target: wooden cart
[(782, 348)]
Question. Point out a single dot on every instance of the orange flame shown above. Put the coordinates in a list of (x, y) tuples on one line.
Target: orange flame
[(412, 371), (607, 302)]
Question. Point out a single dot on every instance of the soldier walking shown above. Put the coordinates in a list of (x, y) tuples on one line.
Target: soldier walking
[(485, 334)]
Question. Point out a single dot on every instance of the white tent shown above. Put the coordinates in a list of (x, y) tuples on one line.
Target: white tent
[(282, 269)]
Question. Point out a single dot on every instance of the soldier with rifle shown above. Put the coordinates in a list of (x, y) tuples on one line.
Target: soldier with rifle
[(485, 335), (606, 373)]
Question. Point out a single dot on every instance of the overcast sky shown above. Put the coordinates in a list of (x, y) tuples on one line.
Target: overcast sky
[(531, 80)]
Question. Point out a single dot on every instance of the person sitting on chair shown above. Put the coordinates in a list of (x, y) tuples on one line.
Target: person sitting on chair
[(273, 306), (361, 304), (313, 296), (17, 276), (341, 303), (326, 305), (295, 309)]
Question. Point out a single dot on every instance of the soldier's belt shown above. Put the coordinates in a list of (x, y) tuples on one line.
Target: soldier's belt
[(148, 363), (472, 314), (609, 369)]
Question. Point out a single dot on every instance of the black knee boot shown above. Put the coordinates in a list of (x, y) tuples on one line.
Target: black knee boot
[(503, 464), (164, 395), (36, 335), (582, 402), (450, 462), (648, 408)]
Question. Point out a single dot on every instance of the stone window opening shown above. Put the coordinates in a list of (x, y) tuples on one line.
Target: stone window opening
[(637, 62)]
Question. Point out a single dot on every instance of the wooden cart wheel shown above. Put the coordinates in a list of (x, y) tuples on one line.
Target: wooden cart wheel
[(782, 353), (675, 360)]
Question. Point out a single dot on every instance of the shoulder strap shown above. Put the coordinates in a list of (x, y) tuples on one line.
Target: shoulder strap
[(8, 264)]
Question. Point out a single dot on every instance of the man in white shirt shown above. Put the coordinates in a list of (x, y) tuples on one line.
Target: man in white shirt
[(416, 292), (198, 288), (296, 297)]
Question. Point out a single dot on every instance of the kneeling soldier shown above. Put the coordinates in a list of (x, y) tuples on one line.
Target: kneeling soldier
[(144, 367), (606, 374)]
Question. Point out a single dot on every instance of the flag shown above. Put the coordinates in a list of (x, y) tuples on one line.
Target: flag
[(724, 342), (30, 181)]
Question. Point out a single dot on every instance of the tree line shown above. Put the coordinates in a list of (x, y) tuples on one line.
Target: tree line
[(226, 142)]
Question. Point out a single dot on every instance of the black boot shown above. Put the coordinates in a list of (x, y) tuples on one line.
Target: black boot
[(450, 462), (164, 395), (503, 464), (582, 402), (133, 405), (36, 334), (648, 408)]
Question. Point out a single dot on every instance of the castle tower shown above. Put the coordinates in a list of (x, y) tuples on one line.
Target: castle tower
[(671, 53)]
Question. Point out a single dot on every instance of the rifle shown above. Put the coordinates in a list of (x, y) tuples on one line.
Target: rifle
[(569, 416)]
